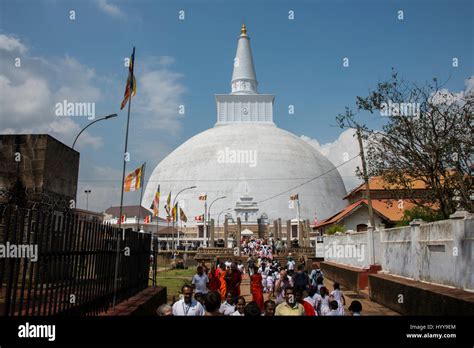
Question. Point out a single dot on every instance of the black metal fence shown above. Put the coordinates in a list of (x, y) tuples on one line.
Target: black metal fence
[(76, 260)]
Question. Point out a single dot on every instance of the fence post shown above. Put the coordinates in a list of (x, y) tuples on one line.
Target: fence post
[(416, 247), (462, 260), (239, 230), (371, 244)]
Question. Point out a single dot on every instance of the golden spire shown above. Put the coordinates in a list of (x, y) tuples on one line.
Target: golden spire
[(243, 30)]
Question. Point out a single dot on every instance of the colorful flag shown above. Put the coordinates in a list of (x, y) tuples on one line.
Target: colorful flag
[(124, 217), (168, 204), (182, 216), (147, 219), (174, 211), (131, 86), (156, 202), (203, 197), (133, 181), (294, 197), (199, 217)]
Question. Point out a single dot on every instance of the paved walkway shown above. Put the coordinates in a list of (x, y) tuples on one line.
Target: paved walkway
[(368, 307)]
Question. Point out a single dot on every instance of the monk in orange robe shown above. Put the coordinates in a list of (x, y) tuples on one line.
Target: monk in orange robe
[(256, 288), (221, 275)]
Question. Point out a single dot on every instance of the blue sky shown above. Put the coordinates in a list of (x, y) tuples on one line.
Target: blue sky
[(186, 62)]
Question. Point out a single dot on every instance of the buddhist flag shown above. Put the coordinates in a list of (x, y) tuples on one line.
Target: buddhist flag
[(131, 86), (203, 197), (294, 197), (182, 216), (168, 204), (199, 217), (147, 219), (174, 211), (156, 202), (133, 181), (124, 218)]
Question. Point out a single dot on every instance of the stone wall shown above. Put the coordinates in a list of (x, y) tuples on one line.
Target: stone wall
[(351, 249), (37, 167), (440, 252)]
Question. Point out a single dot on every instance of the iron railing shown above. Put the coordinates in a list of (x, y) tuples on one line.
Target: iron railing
[(75, 268)]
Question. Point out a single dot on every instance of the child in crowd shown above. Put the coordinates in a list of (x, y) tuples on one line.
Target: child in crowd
[(339, 297)]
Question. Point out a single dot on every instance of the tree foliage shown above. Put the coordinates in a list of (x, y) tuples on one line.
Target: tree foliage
[(432, 145)]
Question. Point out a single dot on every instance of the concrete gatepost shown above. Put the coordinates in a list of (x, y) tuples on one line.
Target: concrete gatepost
[(239, 235), (288, 234), (226, 233), (461, 263), (280, 234), (416, 247), (212, 232), (370, 244), (275, 229), (308, 230)]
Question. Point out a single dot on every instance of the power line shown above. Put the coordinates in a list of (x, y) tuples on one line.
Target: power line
[(304, 183)]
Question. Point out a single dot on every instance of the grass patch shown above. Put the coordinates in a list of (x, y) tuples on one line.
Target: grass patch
[(174, 279)]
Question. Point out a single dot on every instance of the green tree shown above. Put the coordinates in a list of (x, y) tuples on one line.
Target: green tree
[(432, 143)]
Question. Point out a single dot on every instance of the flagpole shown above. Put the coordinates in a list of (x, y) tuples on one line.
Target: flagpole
[(141, 196), (205, 222), (123, 182)]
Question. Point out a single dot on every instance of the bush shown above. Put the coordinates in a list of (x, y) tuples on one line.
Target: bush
[(417, 212), (336, 228)]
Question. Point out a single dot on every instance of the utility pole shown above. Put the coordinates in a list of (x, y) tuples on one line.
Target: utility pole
[(366, 177), (367, 193)]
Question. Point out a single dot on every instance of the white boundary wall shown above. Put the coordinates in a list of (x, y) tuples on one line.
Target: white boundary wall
[(440, 252)]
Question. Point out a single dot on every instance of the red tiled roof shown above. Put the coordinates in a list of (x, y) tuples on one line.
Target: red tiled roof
[(387, 209), (377, 183)]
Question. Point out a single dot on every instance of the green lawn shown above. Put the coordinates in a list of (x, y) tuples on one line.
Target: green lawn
[(174, 279)]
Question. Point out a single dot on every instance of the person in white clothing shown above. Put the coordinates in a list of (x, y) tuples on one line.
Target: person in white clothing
[(324, 306), (239, 308), (200, 281), (187, 306), (339, 297), (355, 308), (228, 307), (334, 306)]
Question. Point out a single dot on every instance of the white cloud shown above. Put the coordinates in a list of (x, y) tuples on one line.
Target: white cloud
[(339, 151), (10, 43), (110, 9), (160, 95), (31, 91)]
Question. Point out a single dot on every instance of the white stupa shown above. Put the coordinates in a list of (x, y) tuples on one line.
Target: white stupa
[(244, 154)]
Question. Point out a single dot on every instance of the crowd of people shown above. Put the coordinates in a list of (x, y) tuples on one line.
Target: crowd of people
[(262, 247), (290, 291)]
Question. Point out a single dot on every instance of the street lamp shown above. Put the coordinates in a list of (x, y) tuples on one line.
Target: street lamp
[(209, 214), (174, 202), (87, 192), (222, 211), (90, 124)]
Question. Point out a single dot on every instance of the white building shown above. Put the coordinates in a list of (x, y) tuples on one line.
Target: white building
[(246, 151)]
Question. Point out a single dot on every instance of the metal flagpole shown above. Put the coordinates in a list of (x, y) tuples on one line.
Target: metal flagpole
[(141, 196), (298, 213), (123, 182), (205, 222)]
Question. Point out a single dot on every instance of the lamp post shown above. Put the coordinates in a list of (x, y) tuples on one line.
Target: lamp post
[(90, 124), (174, 202), (209, 214), (222, 211), (87, 192)]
